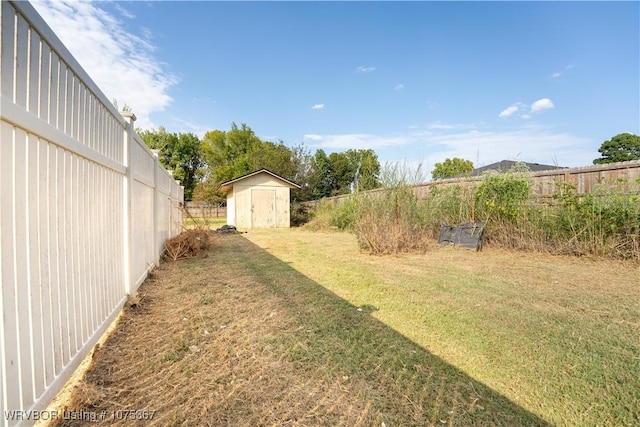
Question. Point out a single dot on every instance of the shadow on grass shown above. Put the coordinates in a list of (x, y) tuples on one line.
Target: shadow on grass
[(351, 362), (240, 338)]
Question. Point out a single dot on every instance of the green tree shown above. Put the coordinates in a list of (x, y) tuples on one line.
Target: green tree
[(321, 175), (620, 148), (302, 162), (227, 153), (343, 173), (366, 169), (340, 173), (188, 163), (179, 153), (238, 152), (452, 168), (276, 157), (207, 191)]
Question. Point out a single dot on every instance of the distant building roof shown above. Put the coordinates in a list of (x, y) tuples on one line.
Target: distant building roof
[(505, 165)]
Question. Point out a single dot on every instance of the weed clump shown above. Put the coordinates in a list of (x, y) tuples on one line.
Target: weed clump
[(403, 217), (390, 222), (188, 244)]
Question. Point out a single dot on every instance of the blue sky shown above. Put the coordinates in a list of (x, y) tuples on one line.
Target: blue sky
[(418, 82)]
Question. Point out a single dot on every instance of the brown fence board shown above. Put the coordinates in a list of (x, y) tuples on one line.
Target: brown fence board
[(584, 180)]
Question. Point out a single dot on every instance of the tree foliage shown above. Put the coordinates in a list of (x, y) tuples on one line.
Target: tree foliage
[(452, 168), (320, 175), (179, 153), (202, 165), (620, 148), (302, 164), (239, 151), (343, 172), (367, 169)]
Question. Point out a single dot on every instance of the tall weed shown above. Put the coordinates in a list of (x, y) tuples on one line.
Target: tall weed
[(390, 222), (448, 204), (503, 203), (605, 222), (335, 213), (393, 220)]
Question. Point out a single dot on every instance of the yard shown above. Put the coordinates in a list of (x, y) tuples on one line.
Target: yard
[(293, 327)]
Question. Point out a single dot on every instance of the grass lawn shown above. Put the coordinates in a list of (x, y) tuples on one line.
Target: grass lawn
[(292, 327), (558, 336)]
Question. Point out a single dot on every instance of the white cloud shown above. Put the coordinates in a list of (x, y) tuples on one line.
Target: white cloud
[(318, 107), (439, 125), (124, 12), (559, 74), (537, 107), (509, 111), (122, 64), (185, 126), (399, 86), (541, 105), (529, 144), (356, 141), (435, 142), (362, 69)]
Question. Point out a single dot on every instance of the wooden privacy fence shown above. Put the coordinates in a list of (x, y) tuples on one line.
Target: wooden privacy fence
[(206, 210), (85, 210), (584, 180)]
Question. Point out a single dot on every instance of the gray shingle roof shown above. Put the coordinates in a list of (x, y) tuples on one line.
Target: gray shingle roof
[(505, 165)]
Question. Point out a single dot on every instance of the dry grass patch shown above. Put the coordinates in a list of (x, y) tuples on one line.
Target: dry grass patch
[(241, 338), (188, 244)]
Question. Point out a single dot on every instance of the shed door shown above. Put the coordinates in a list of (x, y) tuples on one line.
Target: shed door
[(263, 208)]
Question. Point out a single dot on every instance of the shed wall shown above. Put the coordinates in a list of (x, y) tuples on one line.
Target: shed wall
[(231, 208), (246, 210)]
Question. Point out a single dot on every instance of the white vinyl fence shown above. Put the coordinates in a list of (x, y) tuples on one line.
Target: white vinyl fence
[(85, 208)]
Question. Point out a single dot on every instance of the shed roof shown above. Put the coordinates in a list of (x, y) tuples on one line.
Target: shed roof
[(226, 186)]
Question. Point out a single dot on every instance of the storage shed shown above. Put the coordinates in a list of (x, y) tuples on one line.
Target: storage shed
[(260, 199)]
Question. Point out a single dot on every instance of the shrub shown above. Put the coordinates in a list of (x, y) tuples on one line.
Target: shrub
[(503, 195), (332, 213), (300, 214), (605, 222), (338, 213), (503, 203)]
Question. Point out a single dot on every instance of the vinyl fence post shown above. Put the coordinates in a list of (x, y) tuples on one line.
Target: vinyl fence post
[(128, 200), (156, 195)]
